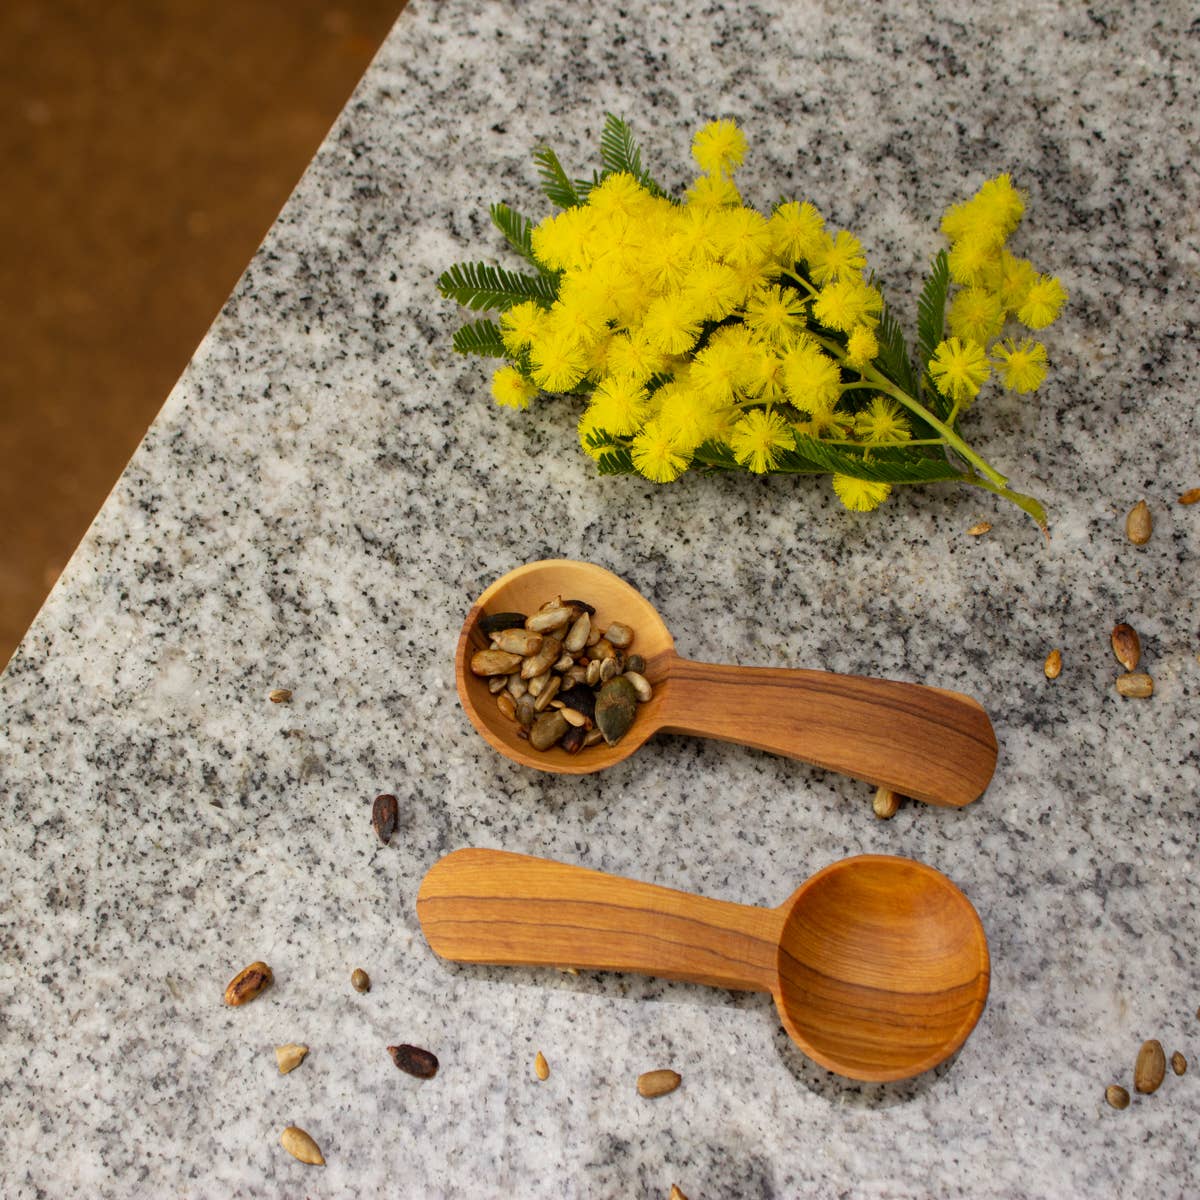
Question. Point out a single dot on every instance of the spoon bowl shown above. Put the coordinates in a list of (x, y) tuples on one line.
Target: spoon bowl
[(878, 965), (925, 742)]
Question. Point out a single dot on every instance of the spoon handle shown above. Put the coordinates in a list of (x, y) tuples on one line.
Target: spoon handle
[(488, 906), (928, 743)]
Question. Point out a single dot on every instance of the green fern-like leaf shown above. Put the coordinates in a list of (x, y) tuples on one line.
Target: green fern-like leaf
[(480, 337), (517, 230), (715, 456), (480, 286), (885, 464), (620, 153), (555, 182), (893, 359), (931, 308), (617, 460)]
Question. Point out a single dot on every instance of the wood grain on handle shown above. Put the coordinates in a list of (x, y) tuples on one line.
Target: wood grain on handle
[(928, 743), (489, 906)]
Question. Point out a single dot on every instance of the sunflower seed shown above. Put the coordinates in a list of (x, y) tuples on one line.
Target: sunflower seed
[(495, 662), (541, 1067), (249, 983), (526, 711), (593, 672), (299, 1145), (289, 1057), (517, 687), (576, 639), (1139, 524), (518, 641), (543, 660), (1150, 1067), (1191, 496), (548, 693), (572, 717), (1136, 683), (618, 635), (497, 683), (1053, 664), (1127, 646), (507, 705), (279, 696), (1116, 1095), (548, 620), (641, 685), (979, 529), (886, 803), (635, 662), (658, 1083)]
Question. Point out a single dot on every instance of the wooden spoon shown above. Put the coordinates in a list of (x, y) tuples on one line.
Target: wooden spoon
[(878, 965), (929, 743)]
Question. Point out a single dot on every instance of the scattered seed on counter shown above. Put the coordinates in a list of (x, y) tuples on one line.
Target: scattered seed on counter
[(360, 981), (1053, 664), (541, 1067)]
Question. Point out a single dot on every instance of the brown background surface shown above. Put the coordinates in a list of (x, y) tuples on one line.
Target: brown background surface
[(145, 148)]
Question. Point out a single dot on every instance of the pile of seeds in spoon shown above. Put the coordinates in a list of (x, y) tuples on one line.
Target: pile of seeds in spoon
[(564, 679)]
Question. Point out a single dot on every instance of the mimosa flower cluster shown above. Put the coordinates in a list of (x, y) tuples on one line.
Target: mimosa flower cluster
[(703, 334)]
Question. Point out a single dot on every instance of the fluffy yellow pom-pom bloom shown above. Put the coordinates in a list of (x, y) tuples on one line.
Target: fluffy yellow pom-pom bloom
[(860, 495)]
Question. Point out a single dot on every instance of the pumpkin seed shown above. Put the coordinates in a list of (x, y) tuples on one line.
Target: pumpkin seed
[(616, 706), (547, 729)]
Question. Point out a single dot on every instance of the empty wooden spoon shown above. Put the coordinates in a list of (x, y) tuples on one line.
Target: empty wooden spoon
[(926, 742), (878, 965)]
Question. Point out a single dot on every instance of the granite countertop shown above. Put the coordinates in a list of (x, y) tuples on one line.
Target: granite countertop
[(327, 489)]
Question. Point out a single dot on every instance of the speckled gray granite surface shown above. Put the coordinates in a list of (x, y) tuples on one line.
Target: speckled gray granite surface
[(328, 487)]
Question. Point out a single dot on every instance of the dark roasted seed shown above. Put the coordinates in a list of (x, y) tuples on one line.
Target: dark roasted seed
[(414, 1060), (495, 622), (572, 740), (581, 698), (581, 605), (384, 814)]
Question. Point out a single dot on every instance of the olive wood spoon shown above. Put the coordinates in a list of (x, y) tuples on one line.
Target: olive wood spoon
[(878, 965), (925, 742)]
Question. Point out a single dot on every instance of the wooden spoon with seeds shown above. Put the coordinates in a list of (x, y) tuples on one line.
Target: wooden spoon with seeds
[(878, 965), (925, 742)]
